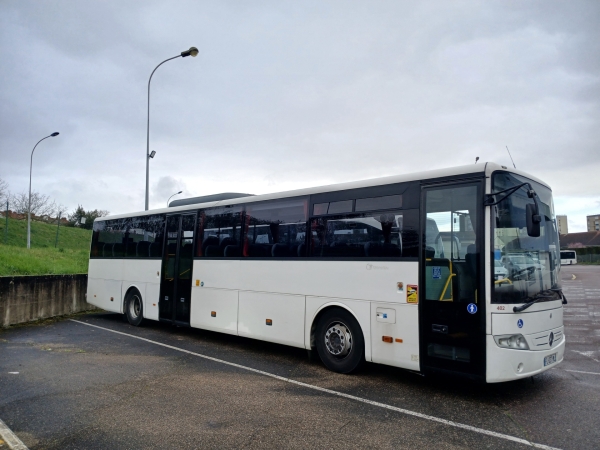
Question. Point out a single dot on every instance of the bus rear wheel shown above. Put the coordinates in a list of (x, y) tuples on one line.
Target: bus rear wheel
[(340, 342), (134, 308)]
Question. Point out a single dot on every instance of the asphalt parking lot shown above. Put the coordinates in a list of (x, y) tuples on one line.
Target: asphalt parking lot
[(91, 382)]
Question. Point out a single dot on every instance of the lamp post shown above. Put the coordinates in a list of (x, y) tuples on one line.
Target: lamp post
[(176, 193), (29, 207), (193, 51)]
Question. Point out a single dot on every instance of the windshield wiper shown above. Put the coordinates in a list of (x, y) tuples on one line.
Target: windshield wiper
[(490, 199), (542, 295), (564, 299)]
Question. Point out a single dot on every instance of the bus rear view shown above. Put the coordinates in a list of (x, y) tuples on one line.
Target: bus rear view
[(568, 257)]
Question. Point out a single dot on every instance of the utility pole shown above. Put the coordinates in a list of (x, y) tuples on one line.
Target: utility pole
[(6, 227), (57, 230)]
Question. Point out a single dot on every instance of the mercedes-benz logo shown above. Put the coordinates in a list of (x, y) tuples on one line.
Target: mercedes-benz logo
[(551, 340)]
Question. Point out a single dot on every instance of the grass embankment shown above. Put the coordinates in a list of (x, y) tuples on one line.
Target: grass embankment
[(70, 256)]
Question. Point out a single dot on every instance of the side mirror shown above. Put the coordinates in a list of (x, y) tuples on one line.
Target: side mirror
[(533, 220)]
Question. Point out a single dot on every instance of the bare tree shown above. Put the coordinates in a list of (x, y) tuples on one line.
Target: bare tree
[(60, 210), (41, 205), (4, 192)]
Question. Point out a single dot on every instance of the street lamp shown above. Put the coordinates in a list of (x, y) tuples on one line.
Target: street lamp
[(29, 207), (193, 51), (177, 193)]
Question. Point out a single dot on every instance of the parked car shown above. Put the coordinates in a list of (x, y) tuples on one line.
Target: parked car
[(521, 265), (500, 272)]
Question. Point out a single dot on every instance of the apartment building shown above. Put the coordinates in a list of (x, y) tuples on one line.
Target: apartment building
[(593, 222), (563, 226)]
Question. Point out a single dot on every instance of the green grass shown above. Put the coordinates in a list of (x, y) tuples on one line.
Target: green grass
[(70, 256), (42, 261)]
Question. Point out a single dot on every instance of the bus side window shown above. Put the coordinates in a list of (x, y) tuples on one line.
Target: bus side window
[(108, 239), (219, 231), (97, 244), (134, 235), (275, 229), (141, 237), (358, 235), (154, 234)]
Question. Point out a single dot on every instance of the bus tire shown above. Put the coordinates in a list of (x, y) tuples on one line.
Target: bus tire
[(340, 341), (134, 308)]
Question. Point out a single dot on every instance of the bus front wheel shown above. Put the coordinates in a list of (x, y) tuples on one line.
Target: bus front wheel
[(340, 342), (134, 308)]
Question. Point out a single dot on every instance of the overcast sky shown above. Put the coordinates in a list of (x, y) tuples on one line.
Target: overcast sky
[(286, 95)]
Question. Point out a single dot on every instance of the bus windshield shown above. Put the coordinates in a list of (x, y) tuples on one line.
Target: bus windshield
[(524, 266)]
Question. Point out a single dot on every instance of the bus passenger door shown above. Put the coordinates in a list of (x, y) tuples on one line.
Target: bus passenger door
[(452, 302), (176, 278)]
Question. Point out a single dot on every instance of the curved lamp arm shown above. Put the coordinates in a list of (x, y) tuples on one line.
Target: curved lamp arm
[(193, 51), (56, 133), (176, 193)]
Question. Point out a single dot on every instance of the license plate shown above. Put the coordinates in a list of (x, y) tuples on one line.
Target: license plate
[(550, 359)]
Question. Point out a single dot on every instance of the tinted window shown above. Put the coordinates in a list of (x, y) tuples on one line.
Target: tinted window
[(109, 237), (366, 235), (134, 234), (135, 237), (320, 209), (275, 229), (375, 203), (154, 235), (96, 249), (219, 231), (340, 207)]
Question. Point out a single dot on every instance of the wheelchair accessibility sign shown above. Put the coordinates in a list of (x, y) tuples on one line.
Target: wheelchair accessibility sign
[(472, 308)]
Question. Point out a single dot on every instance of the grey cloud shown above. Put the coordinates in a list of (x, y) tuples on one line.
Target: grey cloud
[(164, 188), (287, 95)]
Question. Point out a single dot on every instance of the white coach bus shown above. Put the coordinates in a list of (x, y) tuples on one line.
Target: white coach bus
[(568, 257), (399, 270)]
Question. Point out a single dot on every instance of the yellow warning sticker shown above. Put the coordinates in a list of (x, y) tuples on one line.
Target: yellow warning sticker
[(412, 293)]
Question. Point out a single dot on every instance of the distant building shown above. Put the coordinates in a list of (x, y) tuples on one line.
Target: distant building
[(563, 226), (580, 240), (593, 222)]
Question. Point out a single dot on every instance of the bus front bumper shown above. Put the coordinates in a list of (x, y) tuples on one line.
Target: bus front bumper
[(505, 364)]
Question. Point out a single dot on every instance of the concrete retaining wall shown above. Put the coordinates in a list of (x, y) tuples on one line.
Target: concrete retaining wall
[(28, 298)]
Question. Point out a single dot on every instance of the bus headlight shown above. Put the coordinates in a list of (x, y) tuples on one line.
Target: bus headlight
[(516, 341)]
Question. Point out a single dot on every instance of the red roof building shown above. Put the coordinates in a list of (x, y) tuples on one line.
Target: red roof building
[(580, 240)]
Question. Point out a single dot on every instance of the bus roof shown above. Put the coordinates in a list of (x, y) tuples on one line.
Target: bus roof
[(486, 168)]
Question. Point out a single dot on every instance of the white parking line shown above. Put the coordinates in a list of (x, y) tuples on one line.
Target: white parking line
[(336, 393), (588, 354), (11, 438), (581, 371)]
